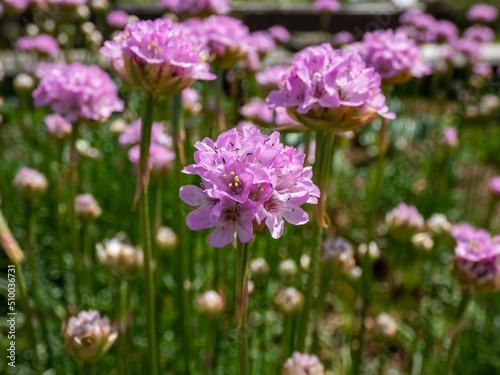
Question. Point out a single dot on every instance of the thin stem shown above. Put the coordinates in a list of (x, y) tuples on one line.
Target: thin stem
[(122, 360), (72, 179), (320, 308), (87, 368), (489, 213), (147, 122), (87, 262), (242, 305), (322, 171), (179, 158), (460, 317)]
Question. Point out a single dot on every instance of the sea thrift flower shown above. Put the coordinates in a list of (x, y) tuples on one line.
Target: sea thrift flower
[(446, 31), (158, 56), (326, 6), (289, 301), (86, 208), (482, 13), (337, 254), (423, 241), (495, 186), (77, 92), (464, 231), (479, 33), (226, 40), (166, 239), (438, 224), (211, 304), (404, 221), (132, 134), (303, 364), (58, 126), (259, 112), (247, 176), (385, 327), (87, 336), (30, 184), (450, 137), (270, 77), (198, 8), (23, 82), (120, 258), (393, 55), (279, 33), (42, 44), (118, 19), (287, 268), (475, 262), (191, 102), (419, 26), (463, 52), (327, 89), (17, 6), (259, 267), (343, 37), (160, 158), (260, 42)]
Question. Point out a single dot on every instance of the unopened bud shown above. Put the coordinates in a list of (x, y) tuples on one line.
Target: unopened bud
[(259, 267), (117, 127), (385, 327), (23, 82), (303, 364), (166, 239), (287, 268), (372, 248), (438, 224), (289, 301), (86, 208), (119, 258), (30, 184), (211, 304), (423, 241)]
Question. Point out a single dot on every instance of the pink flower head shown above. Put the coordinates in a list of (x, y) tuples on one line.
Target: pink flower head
[(160, 157), (259, 112), (226, 39), (261, 42), (279, 33), (482, 13), (343, 37), (78, 92), (270, 77), (247, 176), (42, 44), (17, 6), (30, 184), (303, 364), (132, 134), (419, 26), (450, 137), (480, 34), (393, 55), (58, 126), (326, 6), (198, 8), (446, 31), (404, 221), (191, 101), (161, 57), (476, 245), (495, 186), (117, 18), (463, 52), (330, 89)]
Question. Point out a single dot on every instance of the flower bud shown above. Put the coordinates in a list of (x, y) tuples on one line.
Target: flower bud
[(23, 83), (495, 186), (30, 184), (354, 274), (119, 258), (289, 301), (438, 224), (385, 327), (117, 127), (287, 268), (404, 221), (250, 287), (99, 5), (190, 102), (259, 267), (337, 253), (88, 336), (305, 261), (166, 239), (372, 248), (58, 127), (86, 150), (211, 304), (87, 209), (423, 241), (303, 364)]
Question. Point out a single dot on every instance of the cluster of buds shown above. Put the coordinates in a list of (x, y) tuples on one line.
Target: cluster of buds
[(259, 267), (166, 239), (287, 268), (289, 301), (337, 255), (438, 224), (87, 336), (404, 221), (120, 258), (58, 127), (86, 208), (303, 364), (385, 327), (211, 304), (30, 184)]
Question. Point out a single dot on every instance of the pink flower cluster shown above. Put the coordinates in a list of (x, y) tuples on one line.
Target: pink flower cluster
[(196, 7), (327, 6), (259, 112), (247, 176), (482, 13), (476, 257), (270, 77), (77, 92), (404, 221), (303, 364), (393, 55), (117, 18), (160, 150), (43, 44), (161, 57), (332, 89)]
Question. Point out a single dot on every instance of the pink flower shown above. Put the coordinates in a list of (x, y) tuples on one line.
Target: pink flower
[(479, 33), (117, 18), (270, 77), (58, 126), (343, 37), (303, 364), (43, 44), (78, 92), (279, 33), (495, 186), (132, 134), (160, 158), (327, 6), (482, 13), (199, 8)]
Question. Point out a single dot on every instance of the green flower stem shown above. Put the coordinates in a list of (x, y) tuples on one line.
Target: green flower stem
[(86, 252), (358, 339), (145, 226), (72, 180), (181, 298), (489, 214), (460, 321), (242, 305), (322, 171), (320, 308), (87, 368), (123, 342)]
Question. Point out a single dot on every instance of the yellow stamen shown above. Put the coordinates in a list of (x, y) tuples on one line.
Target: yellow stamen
[(225, 175), (236, 184), (230, 184), (232, 174), (261, 190), (236, 178)]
